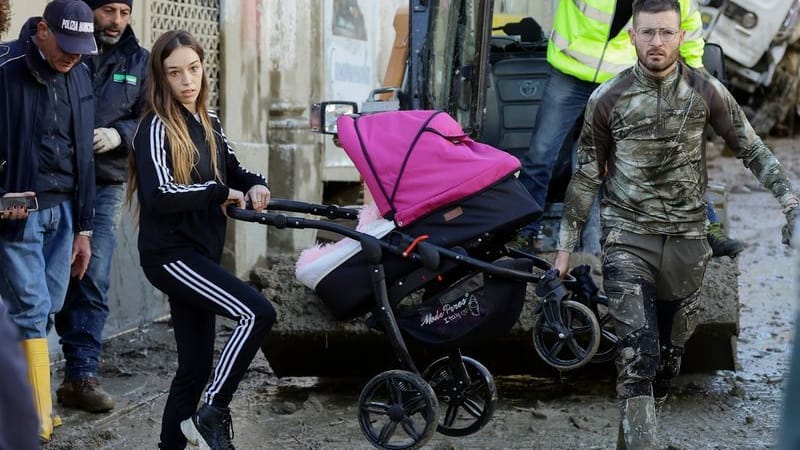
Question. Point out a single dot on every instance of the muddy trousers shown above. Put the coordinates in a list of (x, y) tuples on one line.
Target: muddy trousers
[(198, 290), (653, 285)]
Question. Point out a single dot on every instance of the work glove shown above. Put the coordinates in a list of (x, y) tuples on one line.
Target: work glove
[(791, 222), (106, 139)]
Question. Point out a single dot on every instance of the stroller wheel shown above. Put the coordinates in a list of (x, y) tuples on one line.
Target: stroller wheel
[(397, 410), (468, 390), (607, 350), (574, 348)]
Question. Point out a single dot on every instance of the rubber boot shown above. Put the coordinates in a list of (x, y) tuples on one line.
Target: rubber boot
[(38, 357), (637, 428)]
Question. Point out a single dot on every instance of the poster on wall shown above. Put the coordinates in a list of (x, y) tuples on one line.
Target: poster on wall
[(351, 42)]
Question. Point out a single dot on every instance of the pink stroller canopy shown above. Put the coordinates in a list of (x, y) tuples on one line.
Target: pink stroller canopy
[(415, 162)]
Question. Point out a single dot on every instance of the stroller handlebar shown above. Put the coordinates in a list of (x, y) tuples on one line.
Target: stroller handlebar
[(329, 211), (428, 255)]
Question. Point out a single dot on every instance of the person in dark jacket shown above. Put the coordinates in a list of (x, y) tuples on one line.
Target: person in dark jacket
[(186, 174), (46, 116), (118, 76)]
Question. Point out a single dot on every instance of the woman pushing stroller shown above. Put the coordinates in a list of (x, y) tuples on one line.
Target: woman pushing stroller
[(186, 174)]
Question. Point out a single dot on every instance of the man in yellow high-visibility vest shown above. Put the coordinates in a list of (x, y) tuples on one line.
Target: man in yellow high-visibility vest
[(588, 45)]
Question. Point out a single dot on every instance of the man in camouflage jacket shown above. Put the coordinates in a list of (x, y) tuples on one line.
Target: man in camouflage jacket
[(642, 143)]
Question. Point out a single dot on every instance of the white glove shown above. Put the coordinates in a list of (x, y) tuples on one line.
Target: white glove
[(106, 139)]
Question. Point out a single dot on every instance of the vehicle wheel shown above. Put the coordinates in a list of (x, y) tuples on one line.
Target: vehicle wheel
[(397, 410), (470, 403), (577, 346), (609, 342)]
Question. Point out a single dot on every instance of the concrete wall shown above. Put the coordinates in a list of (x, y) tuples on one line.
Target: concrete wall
[(244, 87), (292, 33)]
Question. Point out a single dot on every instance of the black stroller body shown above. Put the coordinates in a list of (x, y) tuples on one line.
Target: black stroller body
[(444, 279)]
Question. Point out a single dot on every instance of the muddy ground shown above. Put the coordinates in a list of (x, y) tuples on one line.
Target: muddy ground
[(722, 410)]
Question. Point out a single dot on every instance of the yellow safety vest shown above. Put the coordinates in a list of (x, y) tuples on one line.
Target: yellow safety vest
[(579, 44)]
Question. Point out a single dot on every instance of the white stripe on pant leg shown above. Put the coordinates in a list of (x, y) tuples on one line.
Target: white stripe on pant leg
[(231, 350), (199, 284), (183, 273), (247, 320)]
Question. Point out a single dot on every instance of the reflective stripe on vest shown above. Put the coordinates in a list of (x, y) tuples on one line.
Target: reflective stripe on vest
[(694, 35), (593, 63), (593, 13)]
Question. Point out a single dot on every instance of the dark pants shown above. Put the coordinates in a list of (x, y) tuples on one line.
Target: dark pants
[(198, 290), (653, 286), (80, 322)]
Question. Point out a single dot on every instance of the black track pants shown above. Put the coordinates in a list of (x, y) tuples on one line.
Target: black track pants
[(199, 289)]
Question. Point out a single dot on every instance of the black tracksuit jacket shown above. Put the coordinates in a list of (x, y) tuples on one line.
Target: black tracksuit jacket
[(178, 219)]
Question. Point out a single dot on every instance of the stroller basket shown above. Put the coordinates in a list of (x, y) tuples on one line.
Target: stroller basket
[(479, 305)]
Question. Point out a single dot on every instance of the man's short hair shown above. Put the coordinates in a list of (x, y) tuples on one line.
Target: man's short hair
[(655, 6)]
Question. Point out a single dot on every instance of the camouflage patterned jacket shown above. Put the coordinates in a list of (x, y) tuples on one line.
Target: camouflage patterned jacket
[(642, 142)]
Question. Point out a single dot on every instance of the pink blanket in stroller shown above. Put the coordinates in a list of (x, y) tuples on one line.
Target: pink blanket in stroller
[(415, 162)]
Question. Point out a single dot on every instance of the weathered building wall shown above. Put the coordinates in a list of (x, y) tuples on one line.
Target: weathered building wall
[(292, 34), (244, 91)]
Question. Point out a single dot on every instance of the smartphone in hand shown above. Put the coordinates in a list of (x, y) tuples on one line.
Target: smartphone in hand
[(12, 201)]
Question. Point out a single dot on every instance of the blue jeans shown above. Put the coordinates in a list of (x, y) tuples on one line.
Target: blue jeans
[(36, 270), (710, 212), (80, 323), (564, 101)]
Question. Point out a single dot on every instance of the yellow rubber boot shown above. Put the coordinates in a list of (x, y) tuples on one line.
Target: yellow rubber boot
[(36, 353)]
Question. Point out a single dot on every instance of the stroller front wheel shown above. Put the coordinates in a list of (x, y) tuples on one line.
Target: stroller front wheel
[(397, 410), (576, 347), (467, 389)]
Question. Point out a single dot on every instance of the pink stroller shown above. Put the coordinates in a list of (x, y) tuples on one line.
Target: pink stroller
[(433, 266)]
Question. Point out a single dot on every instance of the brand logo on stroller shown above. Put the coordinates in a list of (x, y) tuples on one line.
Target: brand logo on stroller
[(450, 312)]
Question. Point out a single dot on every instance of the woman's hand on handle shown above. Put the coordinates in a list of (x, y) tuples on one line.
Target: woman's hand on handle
[(259, 197), (562, 263), (235, 198)]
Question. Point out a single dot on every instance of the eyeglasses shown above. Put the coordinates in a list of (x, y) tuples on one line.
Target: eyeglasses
[(666, 34)]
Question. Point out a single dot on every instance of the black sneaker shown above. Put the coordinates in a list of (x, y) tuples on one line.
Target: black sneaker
[(720, 243), (210, 426)]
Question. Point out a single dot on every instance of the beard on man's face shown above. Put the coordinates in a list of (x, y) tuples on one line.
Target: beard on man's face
[(106, 39), (658, 59)]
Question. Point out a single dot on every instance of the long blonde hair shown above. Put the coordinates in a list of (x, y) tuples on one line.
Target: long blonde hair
[(182, 150)]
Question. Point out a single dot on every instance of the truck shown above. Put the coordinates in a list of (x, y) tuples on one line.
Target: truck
[(762, 58)]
